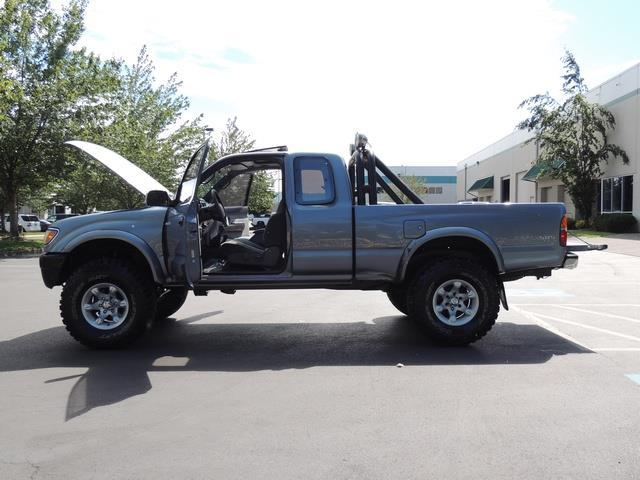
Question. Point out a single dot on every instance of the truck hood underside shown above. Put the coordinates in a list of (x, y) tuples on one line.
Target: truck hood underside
[(130, 173)]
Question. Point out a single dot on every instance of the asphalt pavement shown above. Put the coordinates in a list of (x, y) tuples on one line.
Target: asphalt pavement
[(320, 384)]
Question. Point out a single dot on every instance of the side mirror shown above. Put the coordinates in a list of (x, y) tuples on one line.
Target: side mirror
[(158, 198)]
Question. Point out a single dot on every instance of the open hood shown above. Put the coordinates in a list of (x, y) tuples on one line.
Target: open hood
[(130, 173)]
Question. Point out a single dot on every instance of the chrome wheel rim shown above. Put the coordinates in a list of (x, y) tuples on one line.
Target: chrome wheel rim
[(104, 306), (455, 302)]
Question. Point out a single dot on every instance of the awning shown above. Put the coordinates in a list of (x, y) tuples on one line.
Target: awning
[(482, 184), (532, 174)]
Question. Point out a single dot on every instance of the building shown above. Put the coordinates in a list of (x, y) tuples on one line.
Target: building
[(440, 182), (505, 171)]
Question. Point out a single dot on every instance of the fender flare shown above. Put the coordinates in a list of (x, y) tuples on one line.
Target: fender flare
[(445, 232), (143, 247)]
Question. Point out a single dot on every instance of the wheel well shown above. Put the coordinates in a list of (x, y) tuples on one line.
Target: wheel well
[(451, 247), (105, 248)]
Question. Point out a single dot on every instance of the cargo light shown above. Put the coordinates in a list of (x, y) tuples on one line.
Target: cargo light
[(563, 231), (49, 235)]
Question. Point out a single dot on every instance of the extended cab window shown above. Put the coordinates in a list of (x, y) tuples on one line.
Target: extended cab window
[(314, 181)]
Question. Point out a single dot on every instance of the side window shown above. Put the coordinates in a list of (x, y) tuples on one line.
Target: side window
[(314, 181)]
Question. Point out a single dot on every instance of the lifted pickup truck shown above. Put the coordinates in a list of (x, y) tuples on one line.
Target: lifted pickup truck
[(443, 265)]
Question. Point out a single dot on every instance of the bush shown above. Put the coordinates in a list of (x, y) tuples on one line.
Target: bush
[(571, 223), (580, 224), (615, 223)]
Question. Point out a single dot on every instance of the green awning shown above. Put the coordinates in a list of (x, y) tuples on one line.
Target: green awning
[(482, 184), (532, 174)]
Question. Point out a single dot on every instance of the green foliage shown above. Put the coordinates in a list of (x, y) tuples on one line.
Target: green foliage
[(261, 195), (232, 140), (582, 224), (572, 137), (415, 184), (11, 246), (615, 223), (44, 85), (143, 125)]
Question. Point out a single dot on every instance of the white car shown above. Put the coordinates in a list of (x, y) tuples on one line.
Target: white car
[(26, 223)]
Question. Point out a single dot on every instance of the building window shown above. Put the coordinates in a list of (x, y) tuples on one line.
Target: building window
[(434, 190), (561, 189), (544, 194), (616, 194), (505, 187)]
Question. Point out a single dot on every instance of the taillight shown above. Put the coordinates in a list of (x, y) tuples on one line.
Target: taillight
[(563, 231)]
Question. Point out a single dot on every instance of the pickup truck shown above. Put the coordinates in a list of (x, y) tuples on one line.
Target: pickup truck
[(443, 265)]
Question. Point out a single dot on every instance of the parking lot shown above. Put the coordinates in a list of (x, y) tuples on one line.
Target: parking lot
[(329, 384)]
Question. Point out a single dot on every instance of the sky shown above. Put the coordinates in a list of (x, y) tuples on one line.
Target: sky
[(429, 83)]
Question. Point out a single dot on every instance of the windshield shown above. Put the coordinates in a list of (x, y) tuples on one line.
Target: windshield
[(30, 218), (230, 184)]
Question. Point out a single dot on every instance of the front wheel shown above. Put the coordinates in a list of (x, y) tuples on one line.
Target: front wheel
[(454, 300), (107, 303)]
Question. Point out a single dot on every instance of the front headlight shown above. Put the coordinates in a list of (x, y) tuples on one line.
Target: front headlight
[(50, 234)]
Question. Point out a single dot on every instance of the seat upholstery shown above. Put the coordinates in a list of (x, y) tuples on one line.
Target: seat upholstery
[(245, 251)]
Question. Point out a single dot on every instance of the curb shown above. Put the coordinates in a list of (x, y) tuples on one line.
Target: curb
[(30, 254)]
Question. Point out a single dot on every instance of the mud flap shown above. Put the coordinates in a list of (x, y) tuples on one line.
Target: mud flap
[(503, 295)]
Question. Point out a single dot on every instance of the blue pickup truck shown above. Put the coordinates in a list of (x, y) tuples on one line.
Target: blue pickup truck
[(443, 265)]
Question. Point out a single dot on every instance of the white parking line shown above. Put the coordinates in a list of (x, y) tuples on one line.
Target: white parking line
[(581, 304), (617, 349), (535, 319), (589, 327), (603, 314)]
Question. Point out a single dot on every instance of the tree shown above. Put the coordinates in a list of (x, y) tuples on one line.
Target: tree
[(235, 140), (261, 195), (44, 85), (572, 137), (143, 125), (232, 140), (415, 184)]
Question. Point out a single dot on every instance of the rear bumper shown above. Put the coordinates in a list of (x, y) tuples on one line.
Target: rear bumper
[(52, 268), (570, 261)]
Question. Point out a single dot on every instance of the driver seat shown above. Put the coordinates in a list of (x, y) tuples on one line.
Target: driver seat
[(268, 252)]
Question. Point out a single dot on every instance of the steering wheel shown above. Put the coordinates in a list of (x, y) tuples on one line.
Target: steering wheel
[(214, 210)]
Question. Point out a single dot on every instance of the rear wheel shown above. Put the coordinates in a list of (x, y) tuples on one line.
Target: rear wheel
[(454, 300), (107, 303), (170, 301), (398, 297)]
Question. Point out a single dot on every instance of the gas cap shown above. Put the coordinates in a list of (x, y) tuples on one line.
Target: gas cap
[(414, 228)]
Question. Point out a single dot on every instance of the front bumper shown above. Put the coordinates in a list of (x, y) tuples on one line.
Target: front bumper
[(52, 266), (570, 261)]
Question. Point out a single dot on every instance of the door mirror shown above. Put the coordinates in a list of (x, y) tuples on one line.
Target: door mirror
[(158, 198)]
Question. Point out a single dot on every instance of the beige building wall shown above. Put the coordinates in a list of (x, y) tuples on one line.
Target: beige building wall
[(511, 157)]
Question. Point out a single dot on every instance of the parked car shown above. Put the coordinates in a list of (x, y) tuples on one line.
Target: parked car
[(61, 216), (44, 224), (26, 223), (443, 265)]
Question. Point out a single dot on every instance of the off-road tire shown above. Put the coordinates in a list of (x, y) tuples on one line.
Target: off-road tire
[(140, 292), (423, 287), (170, 301), (398, 298)]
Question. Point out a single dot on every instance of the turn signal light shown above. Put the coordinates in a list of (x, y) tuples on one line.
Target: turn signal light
[(563, 231), (49, 235)]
